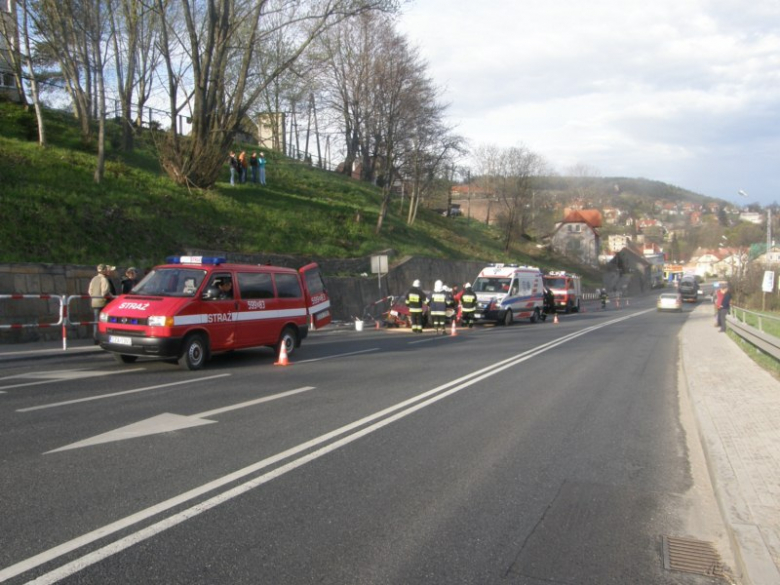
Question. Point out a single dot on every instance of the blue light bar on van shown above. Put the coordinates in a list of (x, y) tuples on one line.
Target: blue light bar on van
[(214, 260)]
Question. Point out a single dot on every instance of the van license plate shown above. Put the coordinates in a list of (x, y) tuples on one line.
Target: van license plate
[(120, 340), (478, 315)]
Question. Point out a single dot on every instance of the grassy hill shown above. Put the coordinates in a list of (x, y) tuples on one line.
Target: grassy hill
[(54, 212)]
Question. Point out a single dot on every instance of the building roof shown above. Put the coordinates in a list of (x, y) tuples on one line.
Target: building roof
[(592, 217)]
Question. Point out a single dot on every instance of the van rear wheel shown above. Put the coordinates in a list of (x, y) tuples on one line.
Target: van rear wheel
[(195, 352)]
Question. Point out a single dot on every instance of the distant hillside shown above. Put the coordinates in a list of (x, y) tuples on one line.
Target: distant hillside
[(604, 191)]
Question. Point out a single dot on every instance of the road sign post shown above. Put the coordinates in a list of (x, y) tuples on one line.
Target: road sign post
[(379, 267), (768, 286)]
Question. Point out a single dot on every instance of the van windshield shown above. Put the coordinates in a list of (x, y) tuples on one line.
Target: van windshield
[(171, 282), (491, 285)]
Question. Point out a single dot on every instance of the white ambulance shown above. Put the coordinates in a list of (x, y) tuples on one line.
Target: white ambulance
[(507, 292)]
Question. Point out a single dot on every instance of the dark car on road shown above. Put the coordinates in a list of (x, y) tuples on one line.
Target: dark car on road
[(689, 289)]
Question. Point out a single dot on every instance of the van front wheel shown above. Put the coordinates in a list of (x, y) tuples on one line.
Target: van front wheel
[(195, 351), (508, 318)]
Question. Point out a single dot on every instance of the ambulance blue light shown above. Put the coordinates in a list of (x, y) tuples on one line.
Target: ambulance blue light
[(213, 260)]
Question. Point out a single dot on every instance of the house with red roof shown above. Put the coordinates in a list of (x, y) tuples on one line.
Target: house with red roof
[(577, 236)]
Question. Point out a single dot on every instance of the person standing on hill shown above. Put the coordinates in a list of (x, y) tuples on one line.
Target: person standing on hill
[(253, 164), (242, 166), (233, 162), (261, 167)]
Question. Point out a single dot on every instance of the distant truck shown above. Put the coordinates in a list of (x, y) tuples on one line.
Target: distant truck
[(506, 292), (567, 290)]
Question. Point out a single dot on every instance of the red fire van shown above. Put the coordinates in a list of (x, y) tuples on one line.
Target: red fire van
[(196, 306)]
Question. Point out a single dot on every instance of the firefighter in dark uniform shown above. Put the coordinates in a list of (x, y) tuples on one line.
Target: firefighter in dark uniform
[(439, 300), (416, 300), (549, 304), (468, 305)]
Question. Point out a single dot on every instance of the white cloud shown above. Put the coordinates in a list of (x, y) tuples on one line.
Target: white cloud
[(683, 92)]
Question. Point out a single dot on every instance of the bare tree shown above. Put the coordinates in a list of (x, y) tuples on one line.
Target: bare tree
[(221, 39), (350, 50), (21, 61), (61, 24), (509, 173), (134, 28)]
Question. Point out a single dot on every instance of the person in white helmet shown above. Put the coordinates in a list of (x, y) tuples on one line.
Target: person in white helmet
[(416, 301), (439, 307), (468, 305)]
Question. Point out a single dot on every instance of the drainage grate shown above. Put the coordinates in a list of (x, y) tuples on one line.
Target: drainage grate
[(692, 556)]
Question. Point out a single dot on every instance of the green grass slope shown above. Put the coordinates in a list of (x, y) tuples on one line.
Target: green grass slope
[(54, 212)]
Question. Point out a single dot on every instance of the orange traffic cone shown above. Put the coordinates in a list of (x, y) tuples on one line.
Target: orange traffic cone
[(283, 361), (453, 333), (555, 319)]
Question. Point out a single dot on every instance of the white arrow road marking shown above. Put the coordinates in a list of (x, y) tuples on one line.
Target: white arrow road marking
[(167, 422), (113, 394), (58, 376)]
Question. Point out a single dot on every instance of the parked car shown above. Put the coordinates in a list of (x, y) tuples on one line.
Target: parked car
[(669, 301), (398, 315)]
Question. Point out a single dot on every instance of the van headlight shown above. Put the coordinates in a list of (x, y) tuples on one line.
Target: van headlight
[(103, 317), (160, 321)]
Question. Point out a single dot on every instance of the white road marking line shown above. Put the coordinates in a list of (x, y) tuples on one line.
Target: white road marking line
[(338, 355), (51, 380), (124, 392), (152, 530)]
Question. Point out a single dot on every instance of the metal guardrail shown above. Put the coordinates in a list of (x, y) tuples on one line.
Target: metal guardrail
[(63, 312), (767, 342)]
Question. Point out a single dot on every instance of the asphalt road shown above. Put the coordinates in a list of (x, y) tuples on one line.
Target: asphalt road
[(536, 454)]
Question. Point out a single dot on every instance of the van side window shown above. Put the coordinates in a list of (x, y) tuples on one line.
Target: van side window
[(288, 286), (254, 285)]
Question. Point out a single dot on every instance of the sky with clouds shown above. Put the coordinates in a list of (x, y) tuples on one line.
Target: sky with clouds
[(681, 91)]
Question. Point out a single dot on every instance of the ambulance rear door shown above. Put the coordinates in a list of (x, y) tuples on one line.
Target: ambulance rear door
[(317, 299)]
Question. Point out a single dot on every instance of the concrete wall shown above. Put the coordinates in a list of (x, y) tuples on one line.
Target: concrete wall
[(350, 295)]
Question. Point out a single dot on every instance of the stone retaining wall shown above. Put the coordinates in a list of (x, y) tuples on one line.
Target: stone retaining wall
[(350, 283)]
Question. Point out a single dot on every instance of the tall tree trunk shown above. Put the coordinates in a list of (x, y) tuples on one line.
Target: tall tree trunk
[(33, 78)]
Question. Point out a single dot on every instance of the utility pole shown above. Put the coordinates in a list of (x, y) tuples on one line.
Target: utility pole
[(468, 191)]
